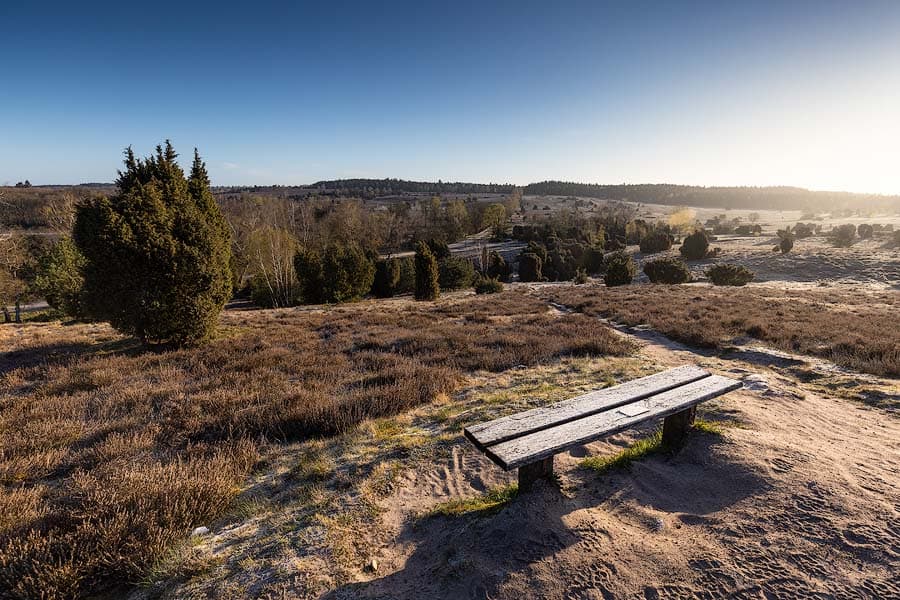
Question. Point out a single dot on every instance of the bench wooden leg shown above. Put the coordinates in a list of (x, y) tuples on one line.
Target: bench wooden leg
[(675, 427), (528, 474)]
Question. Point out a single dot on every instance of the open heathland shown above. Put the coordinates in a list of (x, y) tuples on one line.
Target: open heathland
[(852, 328), (109, 454)]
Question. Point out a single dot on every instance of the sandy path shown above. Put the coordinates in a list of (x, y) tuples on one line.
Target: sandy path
[(801, 501)]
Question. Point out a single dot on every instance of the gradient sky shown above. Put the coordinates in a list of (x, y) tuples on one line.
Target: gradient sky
[(718, 93)]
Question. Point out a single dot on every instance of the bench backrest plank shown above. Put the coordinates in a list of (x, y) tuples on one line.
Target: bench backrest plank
[(500, 430), (541, 444)]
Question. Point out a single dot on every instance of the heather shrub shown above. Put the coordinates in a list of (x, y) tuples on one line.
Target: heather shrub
[(695, 246), (657, 241), (729, 274), (488, 285), (530, 267), (620, 269), (455, 273), (667, 270)]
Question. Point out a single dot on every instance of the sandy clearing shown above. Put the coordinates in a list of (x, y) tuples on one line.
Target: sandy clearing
[(801, 501)]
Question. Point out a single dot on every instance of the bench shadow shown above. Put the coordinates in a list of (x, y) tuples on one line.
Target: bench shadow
[(472, 556)]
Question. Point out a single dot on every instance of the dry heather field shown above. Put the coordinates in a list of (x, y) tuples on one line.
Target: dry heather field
[(322, 448)]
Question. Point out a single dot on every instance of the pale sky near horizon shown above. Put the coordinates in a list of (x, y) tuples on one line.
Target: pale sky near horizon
[(704, 93)]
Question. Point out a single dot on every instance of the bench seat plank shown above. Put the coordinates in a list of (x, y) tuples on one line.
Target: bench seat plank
[(547, 442), (500, 430)]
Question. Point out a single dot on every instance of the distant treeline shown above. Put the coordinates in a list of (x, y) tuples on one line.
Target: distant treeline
[(26, 208), (32, 207), (757, 198), (392, 186)]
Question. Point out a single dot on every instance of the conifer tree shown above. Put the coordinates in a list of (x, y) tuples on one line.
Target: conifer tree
[(156, 253), (427, 287)]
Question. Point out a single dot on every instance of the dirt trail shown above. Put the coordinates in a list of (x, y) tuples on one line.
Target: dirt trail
[(800, 500)]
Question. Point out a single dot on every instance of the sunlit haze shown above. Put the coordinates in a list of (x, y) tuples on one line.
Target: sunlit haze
[(776, 93)]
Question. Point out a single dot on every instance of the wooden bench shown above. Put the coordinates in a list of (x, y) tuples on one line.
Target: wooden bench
[(529, 440)]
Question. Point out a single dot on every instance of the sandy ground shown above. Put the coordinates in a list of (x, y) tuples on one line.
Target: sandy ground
[(801, 500)]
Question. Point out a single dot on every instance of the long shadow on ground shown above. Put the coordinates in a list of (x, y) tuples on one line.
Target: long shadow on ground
[(474, 556), (60, 353)]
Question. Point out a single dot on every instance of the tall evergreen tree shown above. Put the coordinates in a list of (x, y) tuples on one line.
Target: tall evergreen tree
[(427, 287), (156, 253)]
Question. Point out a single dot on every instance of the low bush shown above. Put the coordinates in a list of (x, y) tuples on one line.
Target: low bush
[(667, 270), (339, 273), (657, 241), (614, 245), (580, 278), (728, 274), (865, 232), (804, 230), (695, 246), (455, 273), (620, 269), (786, 242), (592, 260), (348, 273), (748, 230), (560, 265), (842, 236), (530, 267), (488, 285), (497, 267)]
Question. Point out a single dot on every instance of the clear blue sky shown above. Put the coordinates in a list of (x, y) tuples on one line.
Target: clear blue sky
[(718, 93)]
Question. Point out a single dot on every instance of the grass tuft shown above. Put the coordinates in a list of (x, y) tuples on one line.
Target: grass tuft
[(640, 449), (487, 503), (710, 427)]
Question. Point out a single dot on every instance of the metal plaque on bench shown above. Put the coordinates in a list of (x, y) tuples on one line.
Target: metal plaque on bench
[(633, 410)]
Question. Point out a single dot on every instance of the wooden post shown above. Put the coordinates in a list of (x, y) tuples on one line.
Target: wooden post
[(675, 427), (528, 474)]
